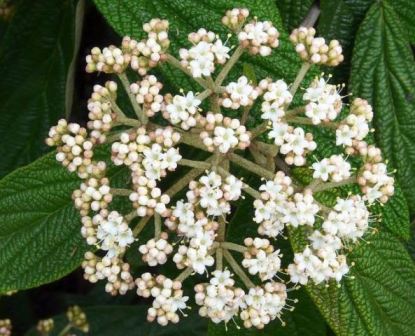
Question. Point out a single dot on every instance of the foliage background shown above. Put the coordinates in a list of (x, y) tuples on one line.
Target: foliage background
[(43, 44)]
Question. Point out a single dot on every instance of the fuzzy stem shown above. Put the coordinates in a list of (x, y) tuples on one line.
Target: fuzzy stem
[(192, 140), (157, 225), (195, 164), (137, 109), (117, 110), (203, 95), (307, 121), (261, 128), (65, 330), (127, 122), (229, 65), (300, 76), (141, 225), (330, 185), (251, 191), (120, 192), (245, 114), (214, 103), (184, 181), (295, 111), (237, 269), (234, 247), (219, 259), (184, 275), (250, 166), (176, 63)]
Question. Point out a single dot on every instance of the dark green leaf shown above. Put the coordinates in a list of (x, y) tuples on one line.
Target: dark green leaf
[(377, 297), (40, 238), (383, 71), (35, 53), (293, 11), (406, 11), (340, 20)]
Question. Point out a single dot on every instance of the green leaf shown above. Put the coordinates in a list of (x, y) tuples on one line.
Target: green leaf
[(383, 72), (40, 238), (377, 297), (340, 20), (35, 53), (126, 321), (406, 11), (293, 12), (304, 320)]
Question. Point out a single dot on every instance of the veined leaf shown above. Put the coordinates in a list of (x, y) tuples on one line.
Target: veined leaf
[(406, 11), (35, 53), (293, 12), (40, 238), (377, 297), (340, 20), (383, 72)]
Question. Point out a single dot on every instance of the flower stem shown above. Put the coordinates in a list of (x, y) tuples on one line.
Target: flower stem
[(65, 330), (330, 185), (261, 128), (195, 164), (173, 61), (250, 166), (184, 275), (300, 76), (120, 192), (229, 65), (307, 121), (219, 259), (157, 225), (128, 122), (203, 95), (234, 247), (141, 225), (245, 114), (137, 109), (237, 269)]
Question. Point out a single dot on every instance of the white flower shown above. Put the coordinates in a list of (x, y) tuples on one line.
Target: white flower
[(199, 259)]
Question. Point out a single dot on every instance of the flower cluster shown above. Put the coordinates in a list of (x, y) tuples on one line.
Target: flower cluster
[(168, 298), (334, 168), (263, 304), (207, 50), (314, 49), (74, 149), (324, 102), (147, 94), (147, 157), (223, 133), (280, 206), (182, 110), (100, 107), (155, 252), (239, 93), (276, 97), (220, 300), (210, 196), (235, 18), (114, 270), (260, 258), (259, 37), (5, 327)]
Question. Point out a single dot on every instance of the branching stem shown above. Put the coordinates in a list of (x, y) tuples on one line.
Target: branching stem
[(237, 269)]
